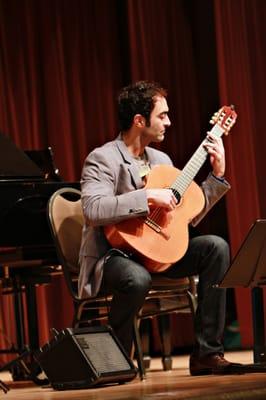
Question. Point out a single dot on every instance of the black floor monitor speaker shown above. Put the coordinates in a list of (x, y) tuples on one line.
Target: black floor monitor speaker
[(85, 357)]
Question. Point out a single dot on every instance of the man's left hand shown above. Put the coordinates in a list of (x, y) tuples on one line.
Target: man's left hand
[(215, 148)]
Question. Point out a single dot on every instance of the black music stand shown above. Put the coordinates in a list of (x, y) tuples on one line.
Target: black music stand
[(248, 269)]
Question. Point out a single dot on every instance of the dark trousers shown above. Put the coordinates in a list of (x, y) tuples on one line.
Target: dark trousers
[(129, 282)]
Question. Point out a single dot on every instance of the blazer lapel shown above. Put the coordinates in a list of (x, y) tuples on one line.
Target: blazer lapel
[(129, 160)]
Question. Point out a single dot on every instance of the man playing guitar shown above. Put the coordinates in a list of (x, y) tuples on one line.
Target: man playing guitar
[(129, 221)]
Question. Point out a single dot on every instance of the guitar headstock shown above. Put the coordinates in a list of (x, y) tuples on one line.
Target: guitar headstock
[(225, 117)]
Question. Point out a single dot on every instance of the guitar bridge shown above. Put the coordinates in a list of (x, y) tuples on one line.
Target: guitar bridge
[(157, 228)]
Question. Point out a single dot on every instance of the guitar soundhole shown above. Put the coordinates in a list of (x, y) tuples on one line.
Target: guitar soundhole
[(177, 195)]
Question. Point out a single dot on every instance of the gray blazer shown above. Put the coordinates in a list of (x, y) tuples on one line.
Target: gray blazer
[(112, 190)]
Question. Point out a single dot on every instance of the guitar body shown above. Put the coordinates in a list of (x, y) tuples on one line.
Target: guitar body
[(157, 250)]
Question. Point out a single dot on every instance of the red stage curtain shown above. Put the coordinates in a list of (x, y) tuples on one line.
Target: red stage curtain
[(241, 44)]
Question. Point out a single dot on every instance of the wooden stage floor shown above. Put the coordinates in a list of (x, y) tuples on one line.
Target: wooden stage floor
[(159, 385)]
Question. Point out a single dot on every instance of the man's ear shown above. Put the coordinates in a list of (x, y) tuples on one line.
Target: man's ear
[(139, 120)]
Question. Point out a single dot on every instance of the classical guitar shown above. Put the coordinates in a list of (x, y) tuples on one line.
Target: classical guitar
[(161, 238)]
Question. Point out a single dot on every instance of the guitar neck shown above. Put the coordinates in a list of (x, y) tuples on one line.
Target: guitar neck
[(194, 164)]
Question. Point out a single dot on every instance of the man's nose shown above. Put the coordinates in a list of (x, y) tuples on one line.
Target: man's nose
[(167, 122)]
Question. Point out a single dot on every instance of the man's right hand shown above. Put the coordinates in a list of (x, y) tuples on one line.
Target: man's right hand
[(162, 198)]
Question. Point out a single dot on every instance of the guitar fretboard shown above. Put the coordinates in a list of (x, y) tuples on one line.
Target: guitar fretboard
[(194, 164)]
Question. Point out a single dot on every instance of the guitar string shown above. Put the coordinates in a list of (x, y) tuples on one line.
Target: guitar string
[(185, 178), (183, 181)]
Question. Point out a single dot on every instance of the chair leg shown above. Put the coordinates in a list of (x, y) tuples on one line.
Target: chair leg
[(4, 387), (165, 336), (192, 303), (145, 332), (138, 350)]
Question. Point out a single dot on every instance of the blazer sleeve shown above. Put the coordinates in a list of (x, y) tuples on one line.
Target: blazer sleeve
[(213, 190), (101, 203)]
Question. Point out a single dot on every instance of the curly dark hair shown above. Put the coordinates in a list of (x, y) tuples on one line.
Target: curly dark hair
[(137, 98)]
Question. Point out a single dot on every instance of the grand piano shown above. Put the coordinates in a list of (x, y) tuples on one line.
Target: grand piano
[(27, 252)]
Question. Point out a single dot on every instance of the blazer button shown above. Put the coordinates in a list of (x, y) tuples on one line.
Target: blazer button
[(135, 210)]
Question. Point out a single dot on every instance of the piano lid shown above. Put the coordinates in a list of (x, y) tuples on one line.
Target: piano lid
[(44, 159), (14, 163)]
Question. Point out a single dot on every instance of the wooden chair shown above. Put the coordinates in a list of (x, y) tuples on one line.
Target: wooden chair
[(66, 219)]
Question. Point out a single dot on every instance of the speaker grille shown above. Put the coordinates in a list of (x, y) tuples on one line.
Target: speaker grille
[(103, 352)]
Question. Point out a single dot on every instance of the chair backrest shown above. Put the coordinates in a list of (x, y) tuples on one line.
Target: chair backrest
[(66, 220)]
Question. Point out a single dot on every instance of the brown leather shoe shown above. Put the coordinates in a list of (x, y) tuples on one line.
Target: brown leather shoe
[(210, 364)]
